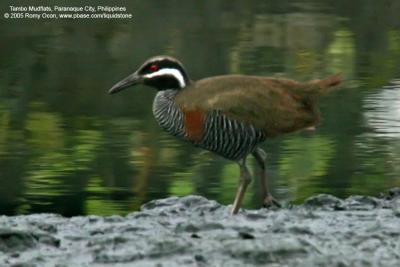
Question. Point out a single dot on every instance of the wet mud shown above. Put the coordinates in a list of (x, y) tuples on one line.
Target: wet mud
[(194, 231)]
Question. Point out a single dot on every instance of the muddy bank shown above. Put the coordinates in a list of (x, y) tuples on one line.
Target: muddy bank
[(194, 231)]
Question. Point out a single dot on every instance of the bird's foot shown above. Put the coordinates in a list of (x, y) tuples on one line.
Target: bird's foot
[(270, 201)]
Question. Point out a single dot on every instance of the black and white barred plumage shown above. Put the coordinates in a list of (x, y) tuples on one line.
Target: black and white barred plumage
[(226, 137)]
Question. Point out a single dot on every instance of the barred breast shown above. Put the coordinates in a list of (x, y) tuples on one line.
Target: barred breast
[(226, 137), (166, 113)]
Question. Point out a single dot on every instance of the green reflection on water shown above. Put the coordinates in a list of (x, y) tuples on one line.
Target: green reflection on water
[(68, 147), (304, 161), (341, 53)]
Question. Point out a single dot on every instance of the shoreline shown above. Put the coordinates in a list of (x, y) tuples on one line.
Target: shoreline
[(195, 231)]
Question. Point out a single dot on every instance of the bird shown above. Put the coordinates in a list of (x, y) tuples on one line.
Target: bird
[(230, 115)]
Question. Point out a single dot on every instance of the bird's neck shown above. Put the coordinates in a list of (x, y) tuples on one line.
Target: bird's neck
[(166, 113)]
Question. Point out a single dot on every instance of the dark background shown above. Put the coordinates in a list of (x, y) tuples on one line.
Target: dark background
[(68, 147)]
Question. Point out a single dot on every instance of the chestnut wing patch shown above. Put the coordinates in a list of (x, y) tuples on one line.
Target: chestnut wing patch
[(193, 123)]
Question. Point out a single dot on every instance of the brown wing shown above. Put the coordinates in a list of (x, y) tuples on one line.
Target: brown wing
[(273, 105)]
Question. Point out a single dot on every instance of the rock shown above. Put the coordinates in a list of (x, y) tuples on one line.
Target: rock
[(195, 231), (393, 193), (324, 201), (361, 203), (396, 207), (14, 240)]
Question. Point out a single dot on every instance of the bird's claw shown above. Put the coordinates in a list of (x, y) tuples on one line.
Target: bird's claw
[(270, 201)]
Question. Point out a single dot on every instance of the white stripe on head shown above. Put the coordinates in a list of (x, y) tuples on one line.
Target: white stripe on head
[(173, 72)]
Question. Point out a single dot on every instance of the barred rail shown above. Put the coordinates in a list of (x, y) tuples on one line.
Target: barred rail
[(226, 137)]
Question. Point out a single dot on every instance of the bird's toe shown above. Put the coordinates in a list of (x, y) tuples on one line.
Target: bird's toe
[(270, 201)]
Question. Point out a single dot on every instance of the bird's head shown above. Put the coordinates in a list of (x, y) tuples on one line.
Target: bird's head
[(160, 72)]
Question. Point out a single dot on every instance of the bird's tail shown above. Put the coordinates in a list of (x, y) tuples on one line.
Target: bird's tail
[(312, 90), (323, 86)]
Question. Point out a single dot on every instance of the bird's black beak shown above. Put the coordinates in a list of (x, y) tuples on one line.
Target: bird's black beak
[(131, 80)]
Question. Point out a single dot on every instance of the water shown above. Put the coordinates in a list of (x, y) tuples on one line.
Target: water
[(68, 147)]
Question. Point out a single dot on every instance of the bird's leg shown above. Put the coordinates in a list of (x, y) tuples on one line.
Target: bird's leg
[(267, 198), (245, 179)]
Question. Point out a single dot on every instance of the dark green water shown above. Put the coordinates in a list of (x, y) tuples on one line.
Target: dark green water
[(68, 147)]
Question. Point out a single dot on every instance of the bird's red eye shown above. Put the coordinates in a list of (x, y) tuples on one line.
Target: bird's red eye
[(153, 68)]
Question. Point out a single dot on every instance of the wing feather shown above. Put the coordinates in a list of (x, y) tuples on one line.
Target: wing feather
[(272, 105)]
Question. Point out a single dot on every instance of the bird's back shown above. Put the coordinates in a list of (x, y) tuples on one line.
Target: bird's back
[(275, 106)]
